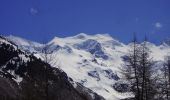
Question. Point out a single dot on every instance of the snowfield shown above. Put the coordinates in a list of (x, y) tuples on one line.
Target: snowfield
[(91, 60)]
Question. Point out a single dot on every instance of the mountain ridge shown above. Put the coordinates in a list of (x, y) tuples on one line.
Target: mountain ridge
[(22, 74), (80, 35), (82, 57)]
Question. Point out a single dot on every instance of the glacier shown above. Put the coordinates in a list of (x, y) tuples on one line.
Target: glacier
[(91, 60)]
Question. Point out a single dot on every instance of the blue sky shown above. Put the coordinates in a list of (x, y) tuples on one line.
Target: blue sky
[(39, 19)]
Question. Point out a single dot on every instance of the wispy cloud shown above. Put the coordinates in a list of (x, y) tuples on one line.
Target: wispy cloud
[(33, 11), (158, 25), (136, 19)]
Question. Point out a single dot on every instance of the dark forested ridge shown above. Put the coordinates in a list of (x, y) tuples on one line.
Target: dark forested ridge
[(23, 77)]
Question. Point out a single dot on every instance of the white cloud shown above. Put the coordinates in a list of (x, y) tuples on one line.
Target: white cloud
[(33, 11), (136, 19), (158, 25)]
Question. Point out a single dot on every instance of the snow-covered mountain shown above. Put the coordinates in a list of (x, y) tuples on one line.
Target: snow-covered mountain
[(24, 44), (22, 76), (91, 60)]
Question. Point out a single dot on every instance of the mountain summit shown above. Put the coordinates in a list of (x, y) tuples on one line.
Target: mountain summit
[(93, 61), (24, 77)]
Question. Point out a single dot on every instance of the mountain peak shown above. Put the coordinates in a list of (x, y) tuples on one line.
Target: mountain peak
[(97, 37), (103, 35), (87, 36), (80, 36)]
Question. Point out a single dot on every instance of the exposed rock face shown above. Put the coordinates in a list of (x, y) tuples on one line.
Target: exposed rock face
[(93, 47)]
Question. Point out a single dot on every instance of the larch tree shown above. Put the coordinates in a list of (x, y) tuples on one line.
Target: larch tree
[(130, 70)]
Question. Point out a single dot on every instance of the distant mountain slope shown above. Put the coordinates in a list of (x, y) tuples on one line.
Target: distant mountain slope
[(23, 77), (94, 60)]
